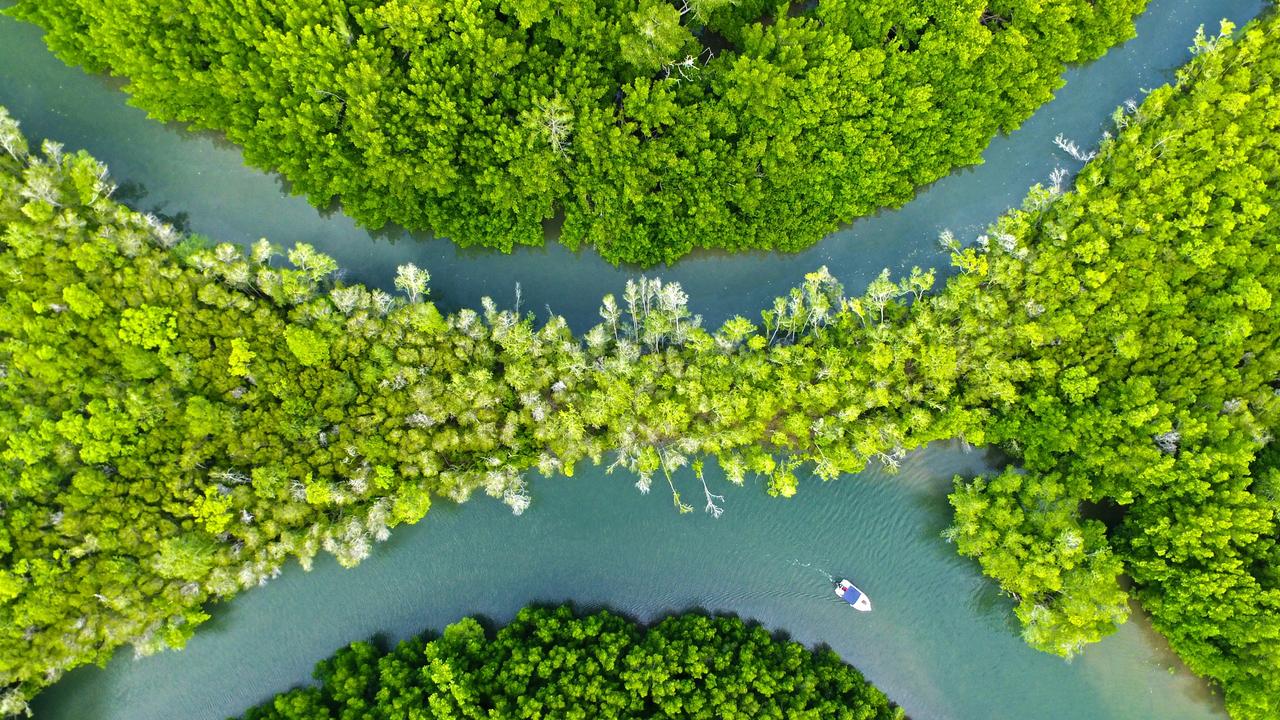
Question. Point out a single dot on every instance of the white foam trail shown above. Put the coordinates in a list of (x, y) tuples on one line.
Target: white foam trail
[(824, 573)]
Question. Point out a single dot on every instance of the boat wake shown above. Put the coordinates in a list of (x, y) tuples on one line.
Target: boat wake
[(830, 578)]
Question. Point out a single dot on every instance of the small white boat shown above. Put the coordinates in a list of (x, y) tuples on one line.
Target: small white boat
[(852, 595)]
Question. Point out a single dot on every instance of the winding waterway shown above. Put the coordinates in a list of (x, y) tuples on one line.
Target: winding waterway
[(940, 641)]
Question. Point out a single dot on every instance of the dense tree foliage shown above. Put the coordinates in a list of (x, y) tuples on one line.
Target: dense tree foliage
[(184, 417), (1140, 329), (654, 126), (551, 663)]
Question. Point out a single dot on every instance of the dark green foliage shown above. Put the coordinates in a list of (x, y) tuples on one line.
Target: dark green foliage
[(653, 127), (550, 663)]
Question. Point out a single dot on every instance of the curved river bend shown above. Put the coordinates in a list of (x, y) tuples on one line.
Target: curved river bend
[(941, 641)]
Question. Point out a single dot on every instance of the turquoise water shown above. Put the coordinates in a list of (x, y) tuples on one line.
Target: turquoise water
[(941, 640)]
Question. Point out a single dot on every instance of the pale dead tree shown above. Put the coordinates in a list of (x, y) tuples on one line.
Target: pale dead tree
[(892, 460), (1206, 44), (556, 120), (350, 545), (880, 291), (1072, 149), (420, 420), (548, 464), (347, 299), (165, 236), (359, 481), (315, 265), (11, 138), (702, 9), (238, 274), (1126, 115), (226, 253), (611, 313), (412, 281), (129, 241), (262, 251), (948, 241), (715, 510), (201, 261), (229, 477), (267, 281), (52, 150), (1071, 539), (673, 303), (538, 412), (1168, 441), (382, 302), (735, 469), (671, 460), (42, 186), (518, 502), (1056, 179), (684, 68), (1009, 243), (102, 185), (635, 298)]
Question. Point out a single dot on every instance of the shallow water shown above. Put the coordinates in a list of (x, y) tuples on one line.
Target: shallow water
[(941, 640)]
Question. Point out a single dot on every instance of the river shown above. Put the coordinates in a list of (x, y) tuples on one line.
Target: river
[(941, 642)]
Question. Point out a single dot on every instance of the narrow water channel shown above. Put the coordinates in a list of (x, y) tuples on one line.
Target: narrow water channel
[(941, 640)]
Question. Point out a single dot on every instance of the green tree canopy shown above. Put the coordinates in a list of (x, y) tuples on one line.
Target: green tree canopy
[(552, 663), (653, 126)]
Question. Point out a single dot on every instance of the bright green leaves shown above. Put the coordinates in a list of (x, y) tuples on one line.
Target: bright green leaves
[(1027, 534), (308, 346), (528, 12), (212, 510), (82, 301), (191, 555), (411, 504), (1077, 385), (10, 586), (240, 357), (148, 327), (654, 38), (1133, 337)]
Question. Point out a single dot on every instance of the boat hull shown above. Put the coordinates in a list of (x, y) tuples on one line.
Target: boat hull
[(850, 593)]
